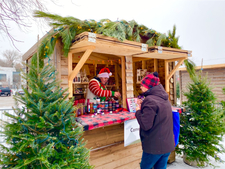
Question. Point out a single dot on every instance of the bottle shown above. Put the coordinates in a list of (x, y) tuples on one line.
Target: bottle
[(113, 105), (91, 108), (98, 103), (102, 105), (79, 112), (110, 105), (95, 106), (106, 106), (88, 106), (117, 104), (81, 109)]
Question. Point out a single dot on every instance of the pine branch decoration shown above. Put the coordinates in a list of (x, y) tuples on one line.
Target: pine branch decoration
[(66, 28)]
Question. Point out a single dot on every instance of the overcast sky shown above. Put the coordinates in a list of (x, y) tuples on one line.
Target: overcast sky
[(200, 23)]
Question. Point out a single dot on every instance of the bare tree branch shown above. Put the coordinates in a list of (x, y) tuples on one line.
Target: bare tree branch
[(20, 12)]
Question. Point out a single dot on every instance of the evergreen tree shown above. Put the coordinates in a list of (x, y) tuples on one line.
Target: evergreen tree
[(171, 40), (178, 90), (202, 125), (44, 133), (223, 101)]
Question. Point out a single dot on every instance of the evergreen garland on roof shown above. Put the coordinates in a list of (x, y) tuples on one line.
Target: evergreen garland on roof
[(66, 28)]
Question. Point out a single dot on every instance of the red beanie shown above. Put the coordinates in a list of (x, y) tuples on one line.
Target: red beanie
[(150, 80)]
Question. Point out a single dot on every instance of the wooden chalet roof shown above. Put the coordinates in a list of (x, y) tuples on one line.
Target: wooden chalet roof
[(108, 45)]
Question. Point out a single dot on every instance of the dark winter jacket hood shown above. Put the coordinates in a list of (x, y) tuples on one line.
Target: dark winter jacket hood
[(157, 91)]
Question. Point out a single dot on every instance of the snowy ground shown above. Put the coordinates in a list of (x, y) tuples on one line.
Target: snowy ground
[(179, 164)]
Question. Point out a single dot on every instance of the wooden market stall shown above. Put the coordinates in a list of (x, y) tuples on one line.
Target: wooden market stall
[(215, 75), (91, 52)]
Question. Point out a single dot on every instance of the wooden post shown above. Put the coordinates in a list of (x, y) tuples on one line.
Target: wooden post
[(166, 79), (123, 67), (116, 77), (129, 77), (155, 65), (38, 54), (143, 64), (180, 83), (174, 86), (58, 59), (134, 79), (95, 68), (70, 69)]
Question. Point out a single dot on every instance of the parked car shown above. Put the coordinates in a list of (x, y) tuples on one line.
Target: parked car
[(19, 91), (5, 91)]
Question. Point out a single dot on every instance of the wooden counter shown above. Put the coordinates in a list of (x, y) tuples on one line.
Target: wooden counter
[(108, 149), (104, 135)]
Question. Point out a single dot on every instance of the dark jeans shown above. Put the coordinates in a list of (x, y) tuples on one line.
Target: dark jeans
[(158, 161)]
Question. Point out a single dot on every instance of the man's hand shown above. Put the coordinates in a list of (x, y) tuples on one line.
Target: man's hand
[(139, 101), (138, 108), (117, 94)]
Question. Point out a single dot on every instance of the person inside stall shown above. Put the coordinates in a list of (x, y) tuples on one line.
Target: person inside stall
[(97, 87), (154, 115)]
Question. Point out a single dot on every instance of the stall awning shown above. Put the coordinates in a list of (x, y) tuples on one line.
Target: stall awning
[(109, 45), (158, 52)]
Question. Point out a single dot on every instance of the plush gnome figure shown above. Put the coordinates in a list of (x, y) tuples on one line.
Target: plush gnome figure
[(105, 72), (96, 89)]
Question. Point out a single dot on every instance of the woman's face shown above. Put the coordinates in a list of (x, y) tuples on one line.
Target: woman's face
[(104, 80), (143, 89)]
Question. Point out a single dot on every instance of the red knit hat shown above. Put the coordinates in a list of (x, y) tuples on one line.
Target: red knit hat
[(150, 80), (105, 72)]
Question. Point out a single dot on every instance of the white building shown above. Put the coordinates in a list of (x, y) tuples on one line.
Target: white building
[(6, 76)]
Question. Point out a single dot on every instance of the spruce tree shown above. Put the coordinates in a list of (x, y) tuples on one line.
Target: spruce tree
[(223, 101), (44, 133), (202, 124)]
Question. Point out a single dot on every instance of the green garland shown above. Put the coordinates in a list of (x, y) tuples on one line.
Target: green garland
[(66, 28)]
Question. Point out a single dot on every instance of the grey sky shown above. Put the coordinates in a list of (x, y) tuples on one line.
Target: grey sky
[(200, 23)]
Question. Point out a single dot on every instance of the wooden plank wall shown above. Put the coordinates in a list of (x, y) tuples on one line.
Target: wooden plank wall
[(216, 77), (114, 154), (150, 65)]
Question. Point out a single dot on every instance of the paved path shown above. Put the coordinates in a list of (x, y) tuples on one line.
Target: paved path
[(7, 101)]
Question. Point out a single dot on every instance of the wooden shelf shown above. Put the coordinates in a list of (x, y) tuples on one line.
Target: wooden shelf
[(82, 83), (138, 83), (110, 85)]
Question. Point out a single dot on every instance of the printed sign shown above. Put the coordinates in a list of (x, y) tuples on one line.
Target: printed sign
[(131, 132), (132, 104)]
